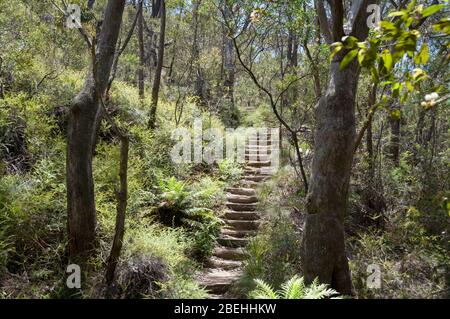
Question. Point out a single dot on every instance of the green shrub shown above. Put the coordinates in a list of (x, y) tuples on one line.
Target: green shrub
[(273, 255), (294, 288)]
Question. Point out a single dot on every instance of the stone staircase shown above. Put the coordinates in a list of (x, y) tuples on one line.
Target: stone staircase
[(241, 220)]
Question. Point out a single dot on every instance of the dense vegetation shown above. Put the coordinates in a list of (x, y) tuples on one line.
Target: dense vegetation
[(364, 162)]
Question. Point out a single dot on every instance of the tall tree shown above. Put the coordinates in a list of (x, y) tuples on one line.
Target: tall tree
[(159, 66), (199, 87), (84, 119), (323, 245), (230, 115), (141, 50)]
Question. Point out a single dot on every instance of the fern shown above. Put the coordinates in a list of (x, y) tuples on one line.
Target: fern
[(294, 288), (263, 291)]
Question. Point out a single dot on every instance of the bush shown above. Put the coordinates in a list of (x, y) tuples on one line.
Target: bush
[(294, 288), (273, 255)]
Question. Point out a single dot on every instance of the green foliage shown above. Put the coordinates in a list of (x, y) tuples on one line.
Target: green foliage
[(180, 208), (401, 34), (273, 255), (294, 288), (230, 171)]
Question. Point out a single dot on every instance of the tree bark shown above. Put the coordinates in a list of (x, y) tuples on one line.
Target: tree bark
[(159, 66), (323, 242), (199, 80), (323, 245), (230, 115), (141, 51), (122, 196), (84, 118), (394, 143)]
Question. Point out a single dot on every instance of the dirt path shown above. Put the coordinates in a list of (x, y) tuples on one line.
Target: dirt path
[(241, 221)]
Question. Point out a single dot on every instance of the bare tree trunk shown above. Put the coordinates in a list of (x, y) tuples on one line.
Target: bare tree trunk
[(199, 80), (141, 51), (323, 242), (158, 71), (394, 143), (323, 245), (230, 115), (84, 118), (121, 195)]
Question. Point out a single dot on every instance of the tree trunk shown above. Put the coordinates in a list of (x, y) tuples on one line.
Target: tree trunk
[(141, 51), (394, 143), (159, 66), (230, 114), (199, 80), (84, 118), (323, 246), (122, 197)]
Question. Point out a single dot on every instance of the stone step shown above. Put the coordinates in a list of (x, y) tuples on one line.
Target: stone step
[(218, 281), (256, 178), (259, 163), (237, 233), (243, 199), (250, 184), (252, 141), (241, 224), (241, 191), (265, 171), (232, 242), (233, 215), (241, 207), (257, 157), (229, 253), (215, 262), (257, 148)]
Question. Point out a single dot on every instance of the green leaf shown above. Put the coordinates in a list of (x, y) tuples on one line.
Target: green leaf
[(409, 86), (397, 14), (423, 55), (361, 55), (348, 58), (431, 10), (419, 74), (349, 41), (375, 76), (395, 114), (337, 47), (387, 59)]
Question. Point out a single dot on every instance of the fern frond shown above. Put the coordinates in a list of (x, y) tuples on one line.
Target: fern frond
[(263, 291), (294, 288)]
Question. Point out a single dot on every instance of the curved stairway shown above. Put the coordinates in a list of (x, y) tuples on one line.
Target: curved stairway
[(241, 221)]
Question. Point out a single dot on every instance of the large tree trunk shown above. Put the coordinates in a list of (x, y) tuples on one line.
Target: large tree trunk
[(84, 118), (159, 66), (323, 242), (323, 245)]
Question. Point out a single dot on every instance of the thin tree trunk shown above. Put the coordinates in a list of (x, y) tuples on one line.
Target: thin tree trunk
[(199, 80), (230, 114), (394, 143), (122, 195), (84, 117), (158, 71), (141, 51)]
